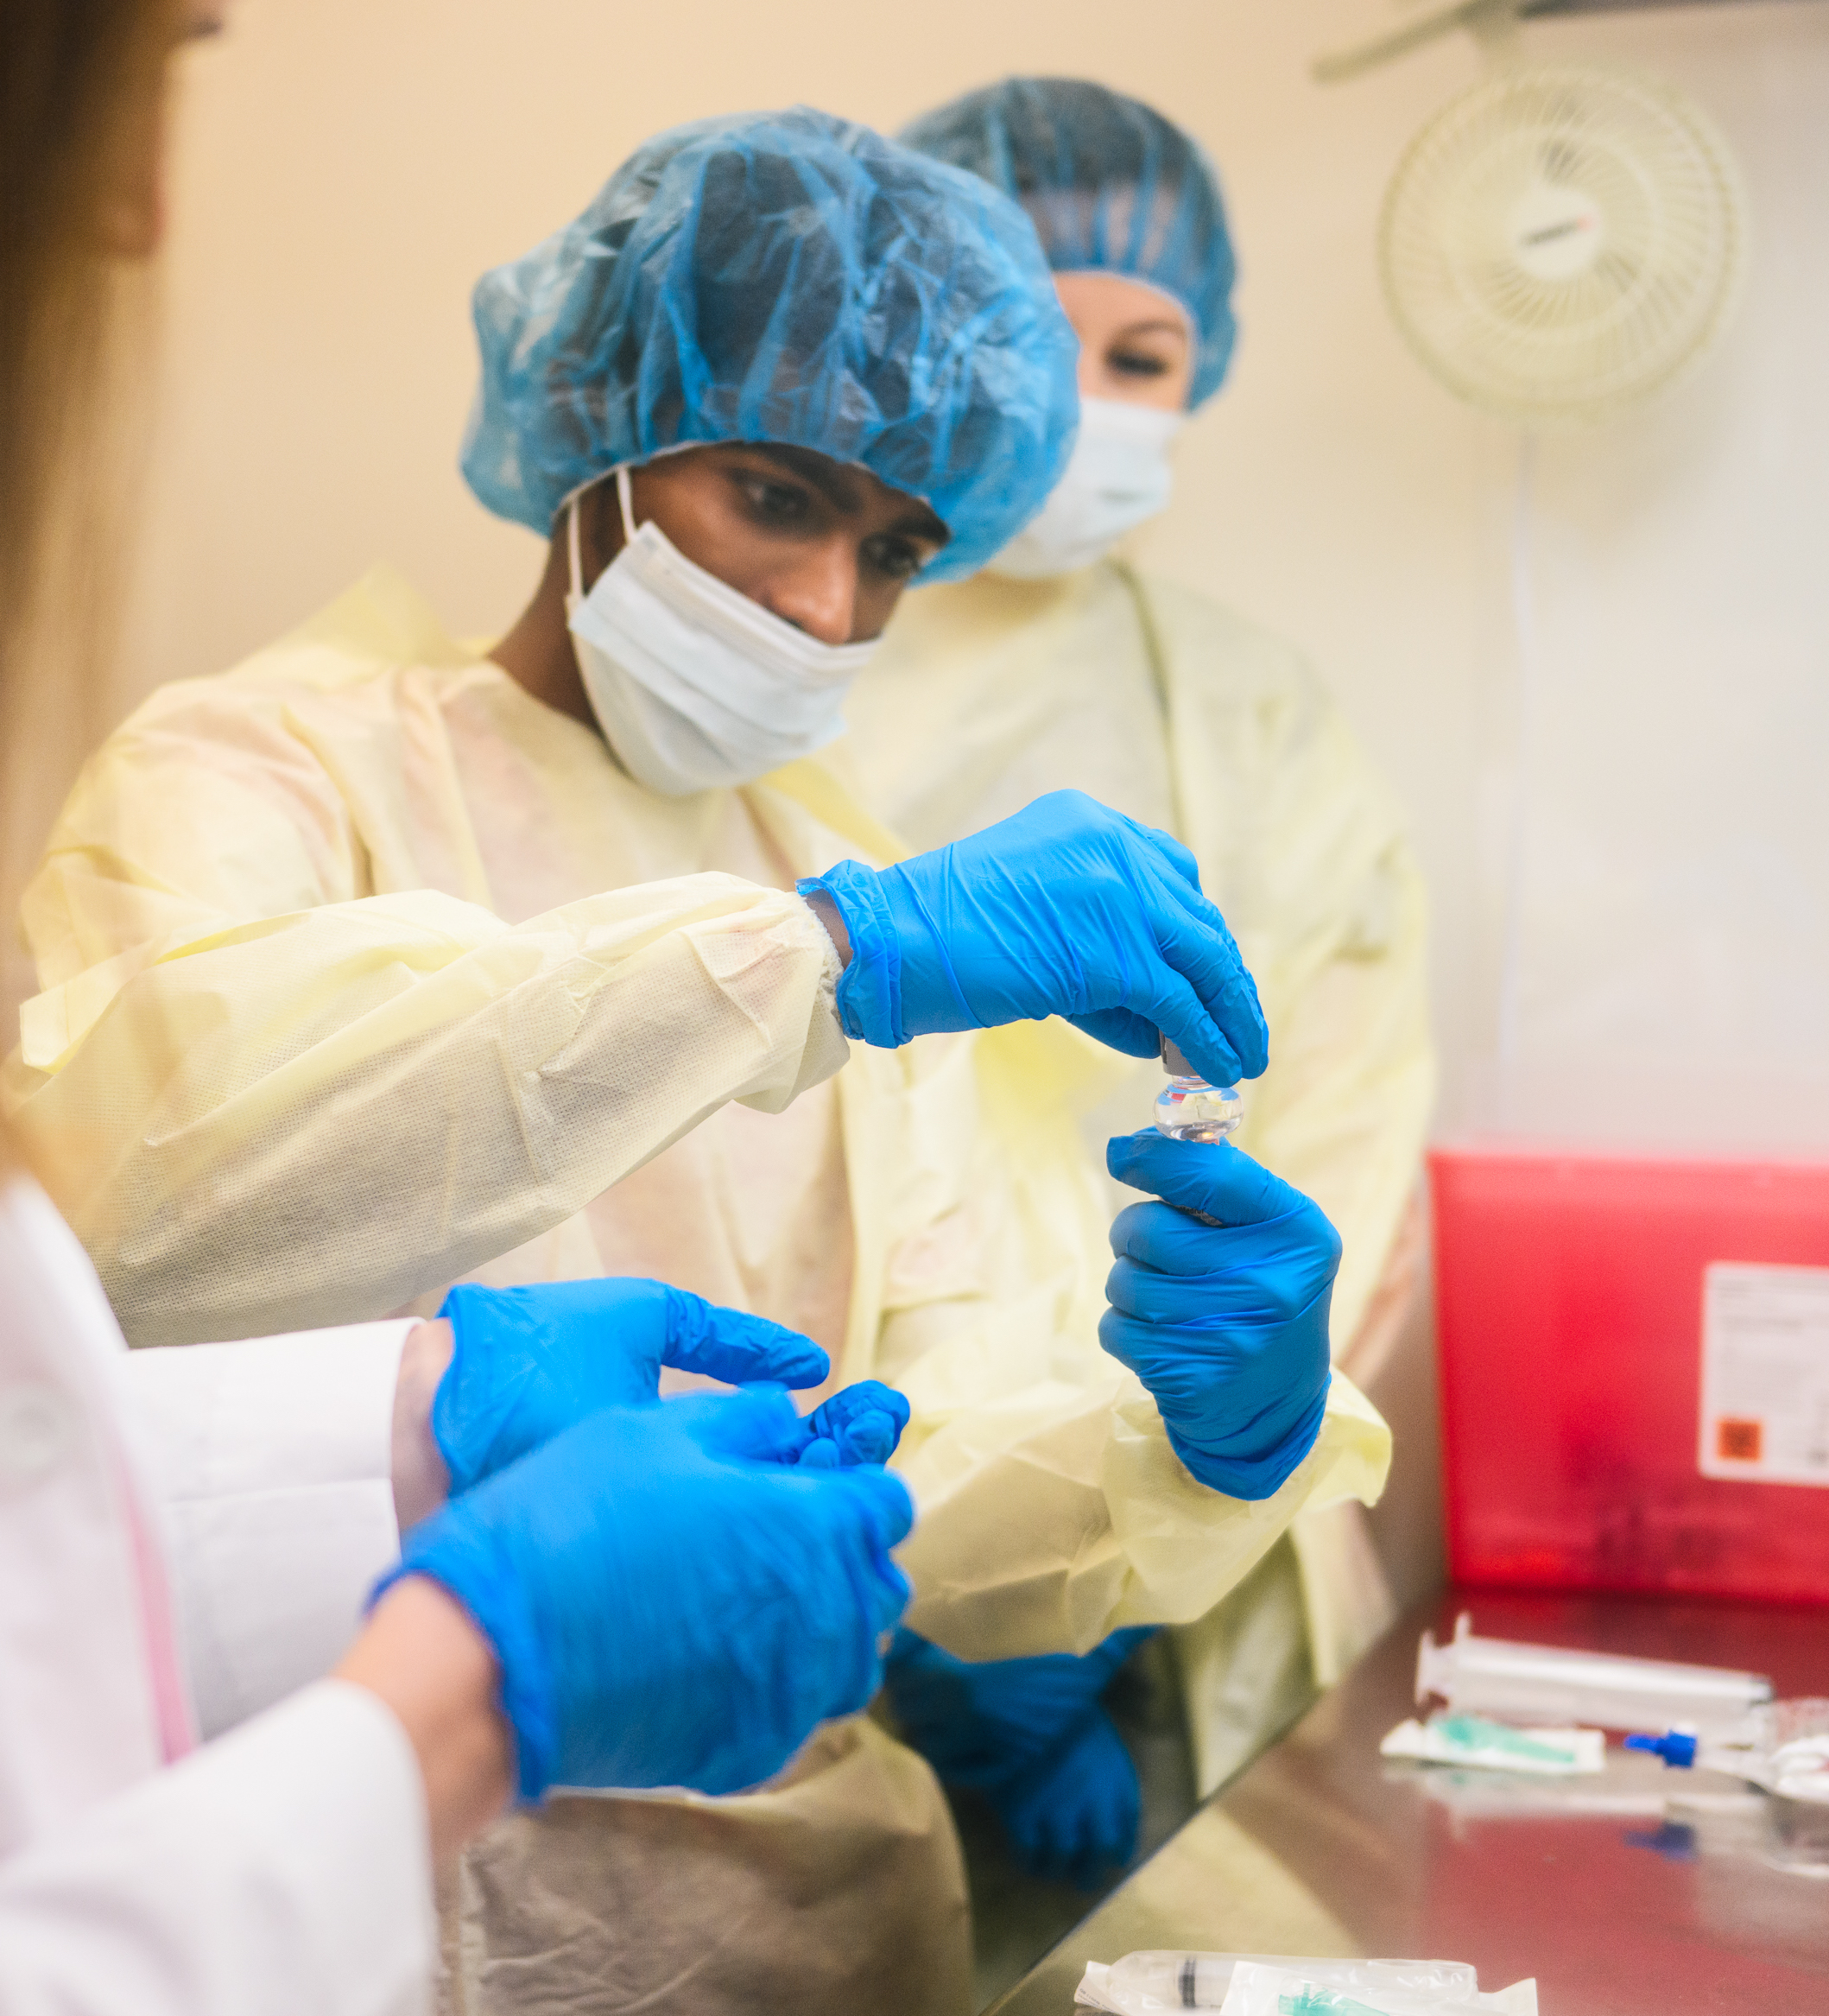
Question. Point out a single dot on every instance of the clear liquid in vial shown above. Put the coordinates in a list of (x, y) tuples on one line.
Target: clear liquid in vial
[(1188, 1108)]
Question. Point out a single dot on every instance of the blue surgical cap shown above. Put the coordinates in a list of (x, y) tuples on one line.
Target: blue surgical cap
[(1111, 186), (786, 277)]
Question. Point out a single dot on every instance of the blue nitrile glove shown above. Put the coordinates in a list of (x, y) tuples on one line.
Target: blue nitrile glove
[(1226, 1325), (859, 1424), (529, 1362), (1030, 1734), (1074, 1819), (1067, 909), (670, 1603)]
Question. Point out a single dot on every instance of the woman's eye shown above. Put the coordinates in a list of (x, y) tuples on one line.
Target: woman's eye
[(899, 559), (1136, 364)]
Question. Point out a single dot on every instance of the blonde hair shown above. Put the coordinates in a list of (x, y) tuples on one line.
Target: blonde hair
[(77, 78)]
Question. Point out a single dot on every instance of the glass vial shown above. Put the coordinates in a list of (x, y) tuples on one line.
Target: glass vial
[(1188, 1108)]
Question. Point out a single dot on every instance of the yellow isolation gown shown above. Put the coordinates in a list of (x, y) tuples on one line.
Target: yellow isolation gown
[(1165, 706), (361, 970)]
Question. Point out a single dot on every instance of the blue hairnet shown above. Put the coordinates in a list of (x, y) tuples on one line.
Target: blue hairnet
[(1110, 187), (787, 277)]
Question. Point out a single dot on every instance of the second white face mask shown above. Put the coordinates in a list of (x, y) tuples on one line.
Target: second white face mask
[(692, 683), (1119, 475)]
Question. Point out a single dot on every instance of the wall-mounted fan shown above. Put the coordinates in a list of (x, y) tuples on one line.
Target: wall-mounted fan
[(1556, 244)]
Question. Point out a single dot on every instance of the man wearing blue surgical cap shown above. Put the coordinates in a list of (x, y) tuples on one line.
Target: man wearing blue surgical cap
[(1065, 665), (412, 954)]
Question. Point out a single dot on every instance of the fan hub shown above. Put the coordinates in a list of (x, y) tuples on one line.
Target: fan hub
[(1556, 231)]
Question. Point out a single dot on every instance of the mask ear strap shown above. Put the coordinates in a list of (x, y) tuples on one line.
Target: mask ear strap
[(571, 549), (624, 496)]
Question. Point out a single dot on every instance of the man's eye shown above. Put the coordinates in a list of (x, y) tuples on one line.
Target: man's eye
[(899, 559), (775, 503), (1136, 364)]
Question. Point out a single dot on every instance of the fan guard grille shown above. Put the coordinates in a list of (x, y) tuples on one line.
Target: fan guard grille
[(1556, 244)]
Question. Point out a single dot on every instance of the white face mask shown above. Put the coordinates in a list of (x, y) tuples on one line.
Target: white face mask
[(693, 684), (1118, 475)]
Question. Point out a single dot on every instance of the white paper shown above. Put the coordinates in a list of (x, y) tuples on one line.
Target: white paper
[(1765, 1374)]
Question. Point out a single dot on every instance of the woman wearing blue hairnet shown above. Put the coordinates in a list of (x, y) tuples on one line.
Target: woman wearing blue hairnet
[(377, 960), (1064, 665)]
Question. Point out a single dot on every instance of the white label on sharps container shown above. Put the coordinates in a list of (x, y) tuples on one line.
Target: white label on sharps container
[(1765, 1373)]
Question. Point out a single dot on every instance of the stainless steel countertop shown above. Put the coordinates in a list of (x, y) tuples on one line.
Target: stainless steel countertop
[(1644, 1891)]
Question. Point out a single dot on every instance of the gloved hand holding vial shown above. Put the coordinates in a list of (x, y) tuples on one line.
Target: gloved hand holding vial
[(1220, 1304), (1065, 908)]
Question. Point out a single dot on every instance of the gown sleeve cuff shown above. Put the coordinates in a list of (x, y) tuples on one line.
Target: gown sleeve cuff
[(869, 989)]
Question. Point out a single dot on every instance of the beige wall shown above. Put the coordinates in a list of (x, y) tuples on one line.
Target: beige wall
[(349, 166)]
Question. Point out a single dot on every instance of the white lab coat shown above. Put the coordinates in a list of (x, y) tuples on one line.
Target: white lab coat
[(285, 1867)]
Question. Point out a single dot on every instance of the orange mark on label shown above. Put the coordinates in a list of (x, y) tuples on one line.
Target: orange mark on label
[(1739, 1441)]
